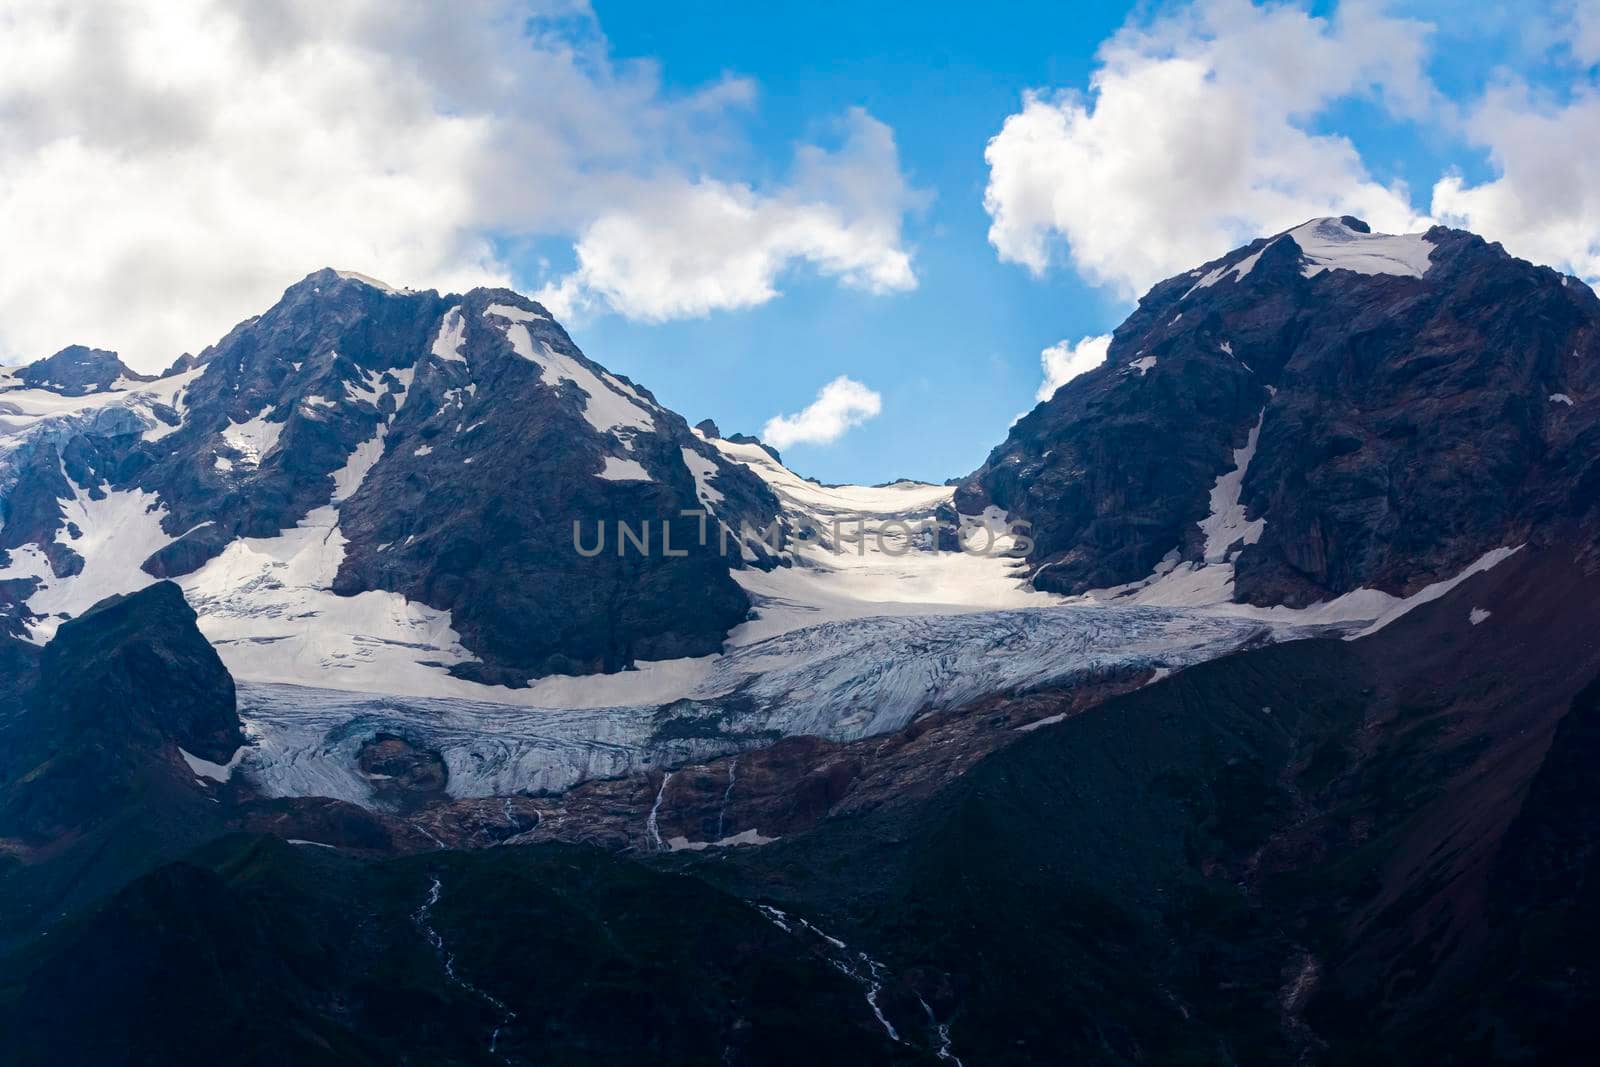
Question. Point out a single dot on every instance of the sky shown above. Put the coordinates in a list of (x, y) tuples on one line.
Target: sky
[(873, 233)]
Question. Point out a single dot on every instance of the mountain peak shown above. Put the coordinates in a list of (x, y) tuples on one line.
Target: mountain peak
[(78, 370), (1348, 243), (332, 279), (369, 280), (1300, 395)]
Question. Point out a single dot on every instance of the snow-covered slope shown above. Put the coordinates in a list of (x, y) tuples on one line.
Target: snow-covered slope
[(860, 551)]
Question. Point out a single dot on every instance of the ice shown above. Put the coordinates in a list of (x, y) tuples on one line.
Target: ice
[(896, 500), (364, 389), (843, 681)]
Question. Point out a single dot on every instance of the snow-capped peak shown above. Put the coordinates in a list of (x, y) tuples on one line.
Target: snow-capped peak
[(367, 279), (1348, 244)]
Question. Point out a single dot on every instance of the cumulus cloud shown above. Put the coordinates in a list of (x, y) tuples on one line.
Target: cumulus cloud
[(1196, 135), (693, 247), (840, 405), (167, 169), (1544, 204), (1583, 31), (1064, 361)]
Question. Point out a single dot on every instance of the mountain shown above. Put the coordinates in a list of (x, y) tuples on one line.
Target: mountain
[(78, 371), (1236, 710), (1385, 411), (97, 761), (458, 439)]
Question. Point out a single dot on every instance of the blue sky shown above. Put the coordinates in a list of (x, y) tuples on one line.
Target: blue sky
[(738, 204), (958, 357)]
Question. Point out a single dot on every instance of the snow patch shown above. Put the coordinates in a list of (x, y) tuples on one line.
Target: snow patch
[(623, 470), (451, 337), (254, 438), (268, 607), (1239, 270), (515, 314), (751, 837), (1226, 525), (216, 772), (703, 471), (1477, 615), (1433, 592), (1561, 398), (1039, 724), (117, 533), (609, 404), (1143, 365)]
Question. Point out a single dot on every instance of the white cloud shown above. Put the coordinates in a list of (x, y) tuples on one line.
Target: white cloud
[(1195, 137), (1585, 31), (692, 247), (1544, 205), (840, 405), (1064, 361), (167, 169)]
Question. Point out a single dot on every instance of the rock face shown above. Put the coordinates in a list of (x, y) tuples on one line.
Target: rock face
[(137, 665), (1403, 404), (514, 452), (446, 445), (119, 690)]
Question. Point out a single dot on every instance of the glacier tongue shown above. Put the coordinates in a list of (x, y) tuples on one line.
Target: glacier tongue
[(841, 680)]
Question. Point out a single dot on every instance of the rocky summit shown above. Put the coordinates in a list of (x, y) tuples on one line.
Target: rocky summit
[(1379, 410), (392, 682)]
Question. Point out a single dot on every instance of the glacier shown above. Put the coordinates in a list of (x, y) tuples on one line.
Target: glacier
[(838, 680)]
